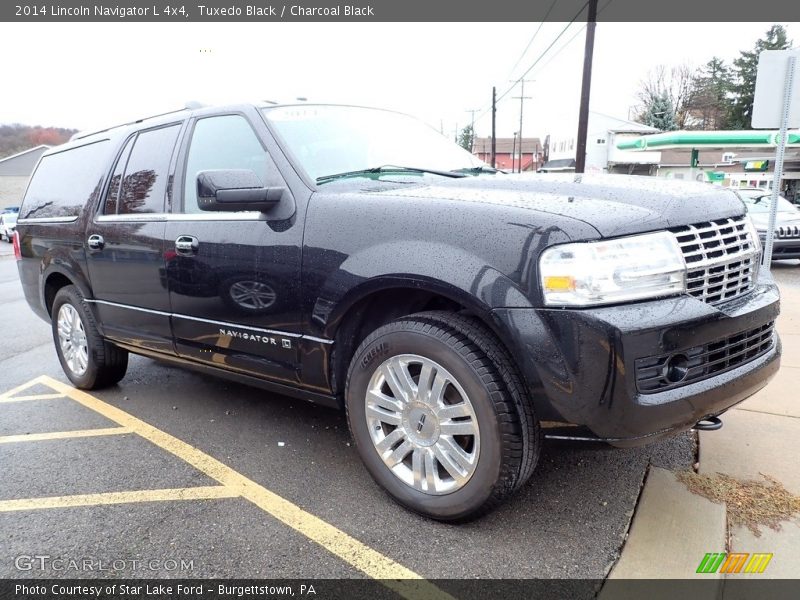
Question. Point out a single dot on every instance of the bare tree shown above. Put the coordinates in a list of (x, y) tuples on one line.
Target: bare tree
[(676, 83)]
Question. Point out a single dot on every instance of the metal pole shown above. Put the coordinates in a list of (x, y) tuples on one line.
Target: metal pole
[(472, 128), (583, 117), (494, 128), (522, 97), (513, 151), (521, 102), (776, 182)]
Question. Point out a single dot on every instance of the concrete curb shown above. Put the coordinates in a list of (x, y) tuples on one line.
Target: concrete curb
[(671, 532)]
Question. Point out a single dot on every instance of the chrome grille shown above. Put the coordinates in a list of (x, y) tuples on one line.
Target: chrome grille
[(721, 258), (789, 231)]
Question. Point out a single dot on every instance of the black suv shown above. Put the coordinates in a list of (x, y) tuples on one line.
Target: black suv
[(355, 258)]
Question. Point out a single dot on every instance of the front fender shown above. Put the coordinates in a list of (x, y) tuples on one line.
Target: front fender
[(431, 266)]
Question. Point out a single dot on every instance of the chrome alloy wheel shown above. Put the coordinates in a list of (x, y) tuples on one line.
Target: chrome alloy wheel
[(422, 424), (252, 294), (72, 339)]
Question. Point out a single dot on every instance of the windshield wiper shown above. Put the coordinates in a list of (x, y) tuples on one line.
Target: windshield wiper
[(387, 169), (477, 170)]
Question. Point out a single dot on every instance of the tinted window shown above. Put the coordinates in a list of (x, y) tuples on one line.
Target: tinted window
[(64, 182), (144, 184), (226, 142), (116, 179)]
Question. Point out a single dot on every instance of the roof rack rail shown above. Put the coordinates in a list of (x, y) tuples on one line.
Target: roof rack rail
[(191, 105)]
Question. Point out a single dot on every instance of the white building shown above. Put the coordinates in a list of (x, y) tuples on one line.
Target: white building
[(14, 173), (602, 155)]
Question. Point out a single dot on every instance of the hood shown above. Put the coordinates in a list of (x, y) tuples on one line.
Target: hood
[(613, 204), (782, 219)]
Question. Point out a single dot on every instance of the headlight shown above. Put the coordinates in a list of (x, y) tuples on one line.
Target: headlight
[(610, 271)]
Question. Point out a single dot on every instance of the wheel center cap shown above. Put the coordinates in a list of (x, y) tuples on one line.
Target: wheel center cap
[(420, 424)]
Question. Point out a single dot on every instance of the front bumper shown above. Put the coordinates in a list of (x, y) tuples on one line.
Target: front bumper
[(782, 248), (580, 365)]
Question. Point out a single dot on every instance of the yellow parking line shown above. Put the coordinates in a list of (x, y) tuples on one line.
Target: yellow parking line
[(198, 493), (5, 398), (20, 388), (359, 555), (62, 435)]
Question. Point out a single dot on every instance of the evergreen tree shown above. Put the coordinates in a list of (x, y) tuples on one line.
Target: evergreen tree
[(745, 68), (711, 104), (660, 114), (466, 137)]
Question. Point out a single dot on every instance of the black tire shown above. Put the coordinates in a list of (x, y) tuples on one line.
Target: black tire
[(510, 437), (106, 363)]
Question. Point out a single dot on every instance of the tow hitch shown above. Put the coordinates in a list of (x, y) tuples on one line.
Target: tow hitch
[(708, 424)]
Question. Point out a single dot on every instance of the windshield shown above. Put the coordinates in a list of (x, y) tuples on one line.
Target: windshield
[(330, 140), (758, 201)]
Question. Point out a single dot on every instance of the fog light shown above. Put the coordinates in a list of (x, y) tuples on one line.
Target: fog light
[(677, 368)]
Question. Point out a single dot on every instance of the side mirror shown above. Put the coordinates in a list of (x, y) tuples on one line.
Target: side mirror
[(234, 190)]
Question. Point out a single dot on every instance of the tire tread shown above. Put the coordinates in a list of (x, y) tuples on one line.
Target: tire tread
[(478, 346)]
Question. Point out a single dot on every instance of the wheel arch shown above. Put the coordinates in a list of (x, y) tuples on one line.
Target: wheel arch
[(381, 300), (56, 278)]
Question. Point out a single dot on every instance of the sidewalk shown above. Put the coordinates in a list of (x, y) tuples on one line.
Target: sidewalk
[(674, 528)]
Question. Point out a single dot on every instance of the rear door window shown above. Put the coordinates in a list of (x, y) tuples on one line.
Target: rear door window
[(112, 196), (143, 187), (64, 182)]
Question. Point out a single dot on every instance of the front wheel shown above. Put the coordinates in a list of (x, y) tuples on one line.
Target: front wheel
[(88, 360), (439, 416)]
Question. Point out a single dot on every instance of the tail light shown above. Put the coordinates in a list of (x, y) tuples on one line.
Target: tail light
[(17, 251)]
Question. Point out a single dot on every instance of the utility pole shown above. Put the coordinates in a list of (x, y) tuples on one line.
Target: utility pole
[(494, 128), (472, 128), (583, 117), (513, 151), (522, 97)]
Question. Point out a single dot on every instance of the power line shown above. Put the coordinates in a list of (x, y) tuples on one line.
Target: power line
[(530, 42), (485, 110), (576, 34), (504, 94), (541, 56)]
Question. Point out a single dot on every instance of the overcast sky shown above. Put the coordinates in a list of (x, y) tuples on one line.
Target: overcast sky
[(98, 74)]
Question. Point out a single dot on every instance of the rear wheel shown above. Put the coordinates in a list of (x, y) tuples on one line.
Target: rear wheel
[(88, 360), (439, 416)]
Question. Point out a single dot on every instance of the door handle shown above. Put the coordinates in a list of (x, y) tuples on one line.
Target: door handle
[(187, 244), (96, 242)]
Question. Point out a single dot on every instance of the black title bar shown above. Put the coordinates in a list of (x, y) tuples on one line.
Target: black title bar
[(371, 589), (710, 11)]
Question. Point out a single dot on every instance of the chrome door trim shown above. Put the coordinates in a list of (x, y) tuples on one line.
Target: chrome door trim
[(212, 322)]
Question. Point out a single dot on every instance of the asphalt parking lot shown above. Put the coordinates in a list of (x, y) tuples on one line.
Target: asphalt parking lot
[(185, 476)]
